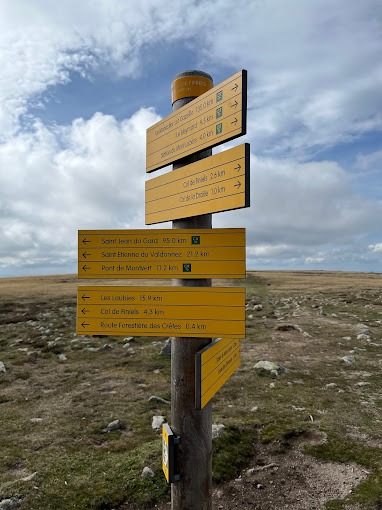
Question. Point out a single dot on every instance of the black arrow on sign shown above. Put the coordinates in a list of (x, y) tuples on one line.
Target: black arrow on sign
[(84, 311), (84, 324), (235, 87), (85, 267), (85, 254), (85, 297), (238, 167), (234, 121), (85, 241), (237, 185), (234, 104)]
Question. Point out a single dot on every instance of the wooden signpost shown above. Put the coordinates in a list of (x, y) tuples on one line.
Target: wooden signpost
[(215, 184), (191, 312)]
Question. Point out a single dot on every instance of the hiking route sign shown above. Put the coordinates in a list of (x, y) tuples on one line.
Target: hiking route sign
[(162, 253), (218, 115), (203, 312)]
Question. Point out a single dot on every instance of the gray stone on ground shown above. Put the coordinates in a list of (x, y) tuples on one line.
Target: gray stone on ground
[(362, 328), (113, 425), (2, 367), (147, 472), (268, 369), (166, 350), (157, 422), (62, 357), (10, 504), (257, 308), (161, 400), (217, 430), (363, 336), (348, 360)]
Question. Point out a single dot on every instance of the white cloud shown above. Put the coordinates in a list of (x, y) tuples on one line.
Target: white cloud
[(376, 247), (314, 260), (316, 70), (88, 175), (369, 161)]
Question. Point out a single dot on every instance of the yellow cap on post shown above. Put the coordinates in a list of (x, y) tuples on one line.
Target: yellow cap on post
[(190, 86)]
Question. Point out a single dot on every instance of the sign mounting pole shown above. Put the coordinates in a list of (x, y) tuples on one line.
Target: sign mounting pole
[(194, 489)]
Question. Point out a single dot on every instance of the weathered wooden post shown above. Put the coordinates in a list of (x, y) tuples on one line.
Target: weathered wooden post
[(194, 489)]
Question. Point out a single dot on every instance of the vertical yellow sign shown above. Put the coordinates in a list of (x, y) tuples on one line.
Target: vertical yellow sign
[(169, 441), (214, 365)]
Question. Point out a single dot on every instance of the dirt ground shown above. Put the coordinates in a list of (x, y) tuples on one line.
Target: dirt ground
[(279, 478)]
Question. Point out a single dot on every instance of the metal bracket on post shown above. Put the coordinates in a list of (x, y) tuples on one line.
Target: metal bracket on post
[(169, 464)]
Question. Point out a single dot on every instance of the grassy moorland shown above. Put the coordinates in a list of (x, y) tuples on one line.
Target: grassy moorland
[(59, 391)]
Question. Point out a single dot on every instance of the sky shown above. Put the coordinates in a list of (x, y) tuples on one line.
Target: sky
[(81, 82)]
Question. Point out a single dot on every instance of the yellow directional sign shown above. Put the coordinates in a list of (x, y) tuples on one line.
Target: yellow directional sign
[(215, 117), (169, 440), (158, 311), (164, 253), (214, 365), (214, 184)]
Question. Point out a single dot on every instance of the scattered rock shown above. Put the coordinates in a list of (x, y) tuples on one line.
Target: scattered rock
[(10, 504), (257, 308), (2, 367), (158, 399), (268, 369), (348, 360), (362, 328), (36, 420), (114, 425), (363, 336), (217, 430), (166, 350), (62, 357), (147, 472), (347, 338), (157, 422)]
